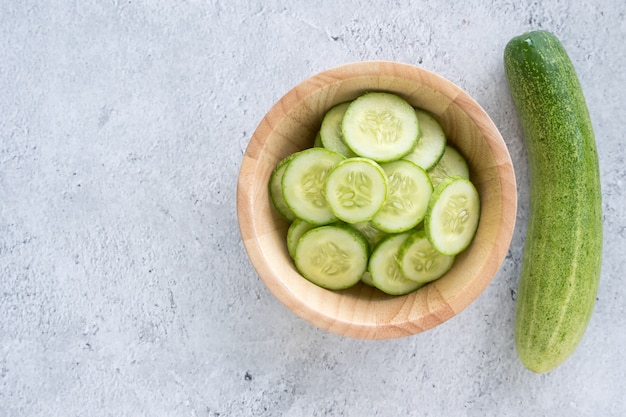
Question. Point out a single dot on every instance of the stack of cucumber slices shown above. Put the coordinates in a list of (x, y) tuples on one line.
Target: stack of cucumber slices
[(380, 198)]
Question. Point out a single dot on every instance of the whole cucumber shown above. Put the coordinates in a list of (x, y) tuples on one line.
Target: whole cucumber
[(563, 248)]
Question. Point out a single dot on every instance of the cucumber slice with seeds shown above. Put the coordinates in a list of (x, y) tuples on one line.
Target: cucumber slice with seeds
[(453, 214), (420, 261), (371, 233), (451, 164), (384, 269), (356, 189), (333, 257), (298, 228), (380, 126), (331, 134), (303, 184), (276, 190), (431, 144), (408, 192)]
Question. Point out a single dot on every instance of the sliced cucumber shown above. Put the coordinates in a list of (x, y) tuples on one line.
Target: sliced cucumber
[(420, 261), (356, 189), (453, 214), (366, 279), (371, 233), (362, 201), (303, 184), (431, 144), (333, 257), (380, 126), (451, 164), (384, 269), (276, 190), (317, 142), (408, 191), (330, 131), (298, 228)]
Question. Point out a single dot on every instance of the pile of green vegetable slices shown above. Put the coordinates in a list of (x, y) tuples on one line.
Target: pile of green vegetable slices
[(381, 198)]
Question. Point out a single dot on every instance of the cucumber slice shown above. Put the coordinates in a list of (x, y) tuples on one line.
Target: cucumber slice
[(451, 164), (371, 233), (276, 190), (298, 228), (453, 214), (356, 189), (330, 131), (384, 269), (408, 192), (431, 144), (303, 184), (333, 257), (317, 142), (380, 126), (420, 262), (366, 279)]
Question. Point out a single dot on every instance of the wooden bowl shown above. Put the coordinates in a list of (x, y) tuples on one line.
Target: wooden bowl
[(363, 311)]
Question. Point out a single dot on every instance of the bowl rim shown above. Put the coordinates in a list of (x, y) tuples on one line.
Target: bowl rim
[(246, 194)]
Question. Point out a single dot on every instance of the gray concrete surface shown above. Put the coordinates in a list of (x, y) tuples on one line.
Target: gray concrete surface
[(125, 289)]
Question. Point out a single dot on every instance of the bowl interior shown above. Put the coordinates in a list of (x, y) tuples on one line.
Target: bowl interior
[(363, 311)]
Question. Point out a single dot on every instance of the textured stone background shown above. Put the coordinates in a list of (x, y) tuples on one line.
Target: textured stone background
[(125, 289)]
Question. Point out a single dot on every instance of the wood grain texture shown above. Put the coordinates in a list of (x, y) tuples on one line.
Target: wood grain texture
[(362, 311)]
